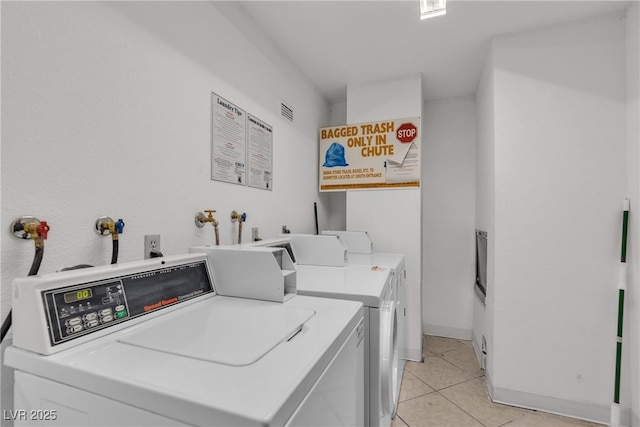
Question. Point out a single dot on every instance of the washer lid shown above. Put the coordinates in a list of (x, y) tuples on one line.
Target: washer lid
[(364, 283), (236, 334)]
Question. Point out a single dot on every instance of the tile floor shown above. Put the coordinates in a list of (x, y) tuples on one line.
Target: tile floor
[(449, 389)]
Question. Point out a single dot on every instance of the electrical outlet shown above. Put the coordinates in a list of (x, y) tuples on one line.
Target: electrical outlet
[(151, 244)]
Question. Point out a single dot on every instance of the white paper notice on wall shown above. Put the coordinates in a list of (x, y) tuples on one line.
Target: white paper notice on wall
[(408, 169), (383, 154), (229, 142), (241, 146), (260, 153)]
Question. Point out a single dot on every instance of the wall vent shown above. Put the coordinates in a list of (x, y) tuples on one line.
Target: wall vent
[(286, 111)]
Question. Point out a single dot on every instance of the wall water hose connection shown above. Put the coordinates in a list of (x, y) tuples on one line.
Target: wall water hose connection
[(28, 227), (201, 219), (622, 286), (235, 216), (105, 226)]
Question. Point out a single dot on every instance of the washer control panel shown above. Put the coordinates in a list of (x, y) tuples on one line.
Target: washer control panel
[(81, 309)]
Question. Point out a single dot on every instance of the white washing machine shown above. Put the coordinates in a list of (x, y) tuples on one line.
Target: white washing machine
[(361, 251), (150, 343), (374, 287), (396, 263), (324, 278)]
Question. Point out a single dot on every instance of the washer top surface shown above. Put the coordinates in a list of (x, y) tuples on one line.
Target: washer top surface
[(395, 261), (178, 367), (362, 283), (236, 333)]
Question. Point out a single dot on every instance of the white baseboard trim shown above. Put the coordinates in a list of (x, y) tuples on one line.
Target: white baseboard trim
[(448, 332), (489, 380), (568, 408), (477, 349)]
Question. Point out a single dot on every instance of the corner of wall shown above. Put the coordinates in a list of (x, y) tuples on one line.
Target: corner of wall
[(633, 183)]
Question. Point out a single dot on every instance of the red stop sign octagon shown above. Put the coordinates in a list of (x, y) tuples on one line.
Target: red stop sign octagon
[(407, 132)]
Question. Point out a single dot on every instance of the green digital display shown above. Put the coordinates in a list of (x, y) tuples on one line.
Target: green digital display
[(78, 295)]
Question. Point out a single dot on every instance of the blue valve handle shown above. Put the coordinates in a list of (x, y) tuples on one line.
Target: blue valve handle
[(119, 226), (243, 218)]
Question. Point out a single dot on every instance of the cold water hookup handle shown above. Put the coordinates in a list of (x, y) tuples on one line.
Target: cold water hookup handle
[(105, 226), (235, 216)]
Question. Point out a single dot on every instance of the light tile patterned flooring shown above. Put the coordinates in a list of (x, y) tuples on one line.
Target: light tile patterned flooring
[(449, 389)]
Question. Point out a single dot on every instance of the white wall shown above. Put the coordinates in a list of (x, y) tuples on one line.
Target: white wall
[(448, 216), (106, 110), (485, 210), (560, 178), (391, 217), (337, 200), (631, 327)]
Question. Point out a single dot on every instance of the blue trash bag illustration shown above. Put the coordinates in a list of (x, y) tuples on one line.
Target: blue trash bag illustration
[(335, 156)]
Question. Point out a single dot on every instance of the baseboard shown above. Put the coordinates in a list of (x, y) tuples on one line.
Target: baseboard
[(489, 380), (448, 332), (477, 349), (568, 408)]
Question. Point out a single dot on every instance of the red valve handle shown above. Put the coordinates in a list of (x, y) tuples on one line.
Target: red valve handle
[(42, 229)]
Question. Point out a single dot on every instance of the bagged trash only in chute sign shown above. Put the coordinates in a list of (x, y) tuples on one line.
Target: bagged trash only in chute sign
[(384, 154)]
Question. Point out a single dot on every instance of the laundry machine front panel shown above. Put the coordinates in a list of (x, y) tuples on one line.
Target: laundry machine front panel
[(54, 312)]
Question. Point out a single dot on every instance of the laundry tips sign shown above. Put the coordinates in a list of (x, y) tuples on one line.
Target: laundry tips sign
[(384, 154)]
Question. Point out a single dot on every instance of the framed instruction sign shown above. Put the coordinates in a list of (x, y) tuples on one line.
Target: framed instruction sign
[(241, 146), (229, 142), (259, 153), (384, 154)]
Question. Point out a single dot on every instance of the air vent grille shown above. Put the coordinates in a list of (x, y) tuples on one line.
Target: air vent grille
[(286, 112)]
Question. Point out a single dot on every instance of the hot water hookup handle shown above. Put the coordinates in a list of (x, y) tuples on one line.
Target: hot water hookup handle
[(28, 227), (201, 219)]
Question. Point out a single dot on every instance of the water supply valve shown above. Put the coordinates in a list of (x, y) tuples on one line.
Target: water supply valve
[(201, 219), (105, 226), (30, 227), (235, 216)]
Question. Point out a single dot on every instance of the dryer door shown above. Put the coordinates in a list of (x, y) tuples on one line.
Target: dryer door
[(389, 355)]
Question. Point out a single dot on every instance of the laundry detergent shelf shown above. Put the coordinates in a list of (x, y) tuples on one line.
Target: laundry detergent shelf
[(259, 273)]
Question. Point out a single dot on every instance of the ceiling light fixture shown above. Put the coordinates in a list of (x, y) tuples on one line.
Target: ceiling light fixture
[(432, 8)]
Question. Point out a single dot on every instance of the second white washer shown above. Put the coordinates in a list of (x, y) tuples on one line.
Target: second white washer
[(374, 287)]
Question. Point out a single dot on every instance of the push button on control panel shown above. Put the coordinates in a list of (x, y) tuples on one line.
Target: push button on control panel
[(91, 324), (105, 312), (74, 329), (74, 321)]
